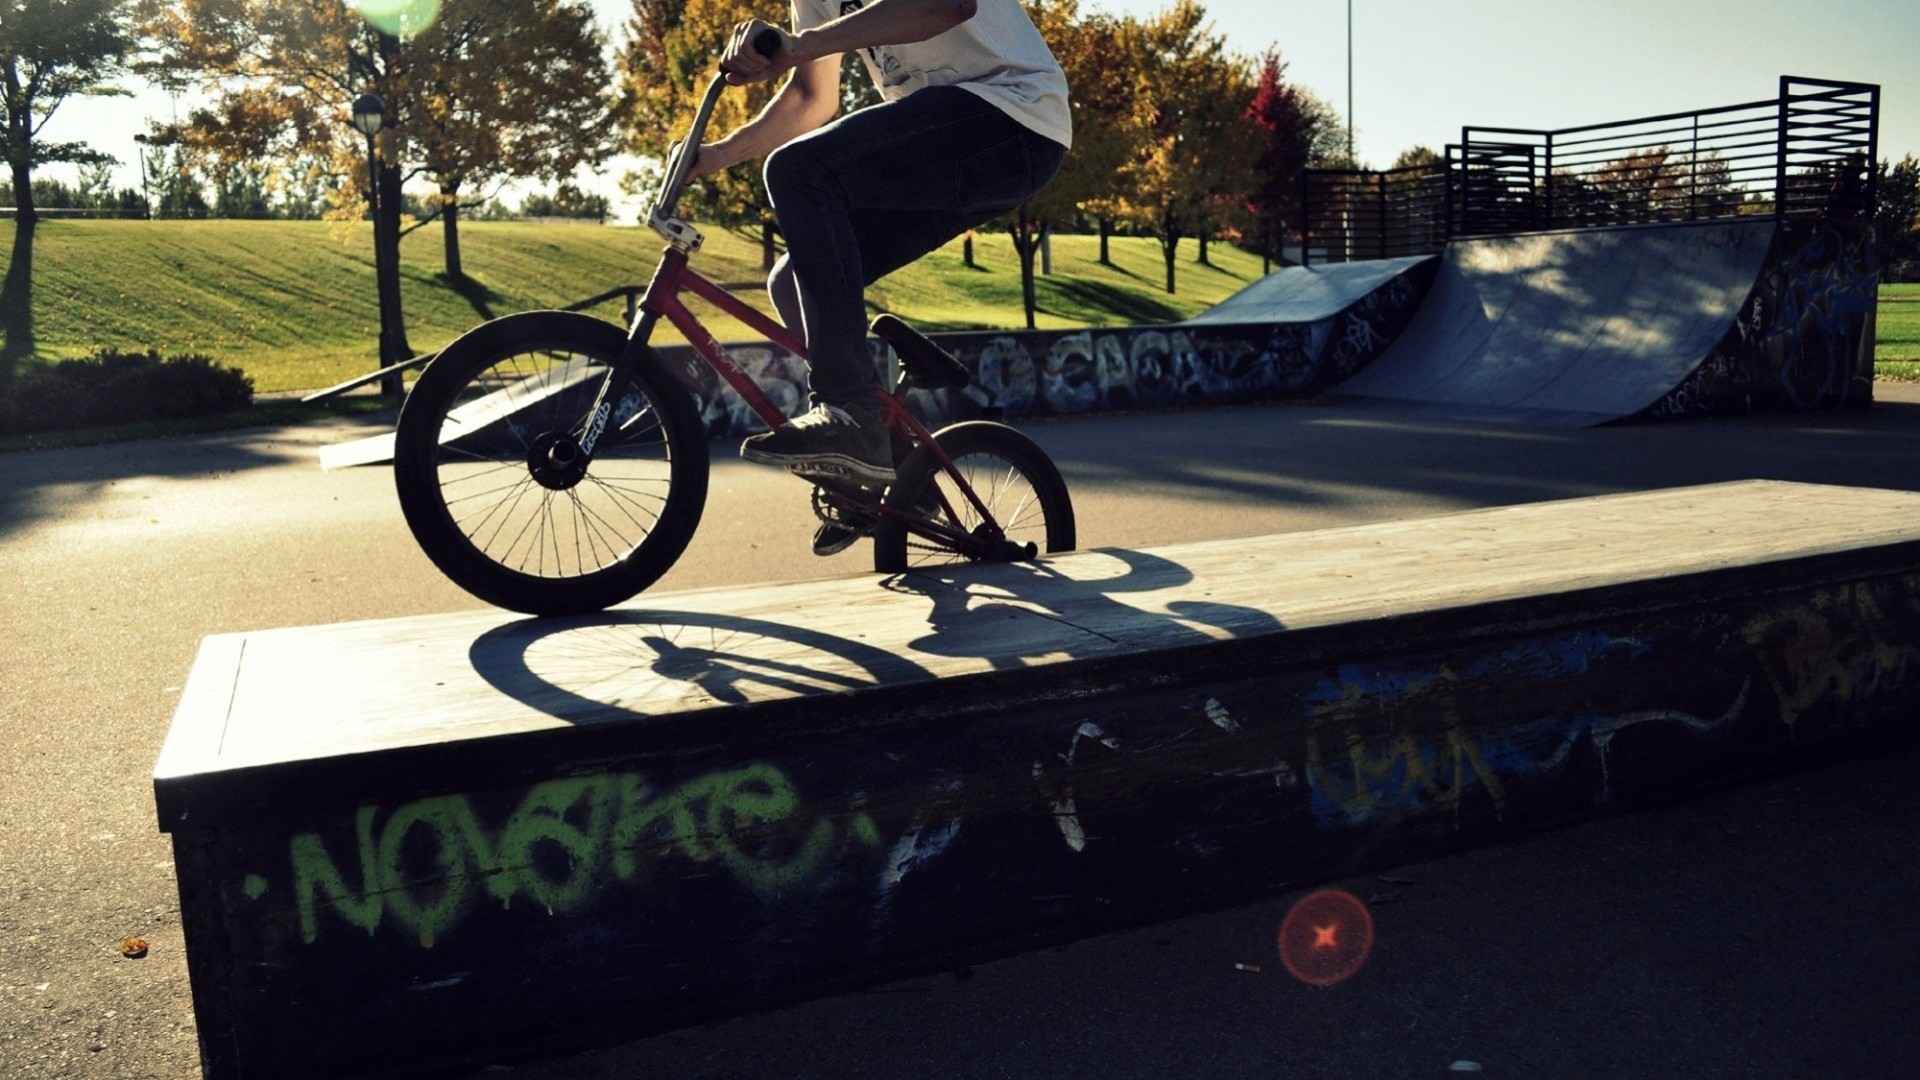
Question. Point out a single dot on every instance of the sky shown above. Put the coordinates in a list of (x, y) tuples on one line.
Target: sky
[(1422, 69)]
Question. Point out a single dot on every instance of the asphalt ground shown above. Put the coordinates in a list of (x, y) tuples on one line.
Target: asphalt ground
[(1769, 930)]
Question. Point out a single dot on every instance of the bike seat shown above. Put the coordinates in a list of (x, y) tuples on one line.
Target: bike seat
[(927, 365)]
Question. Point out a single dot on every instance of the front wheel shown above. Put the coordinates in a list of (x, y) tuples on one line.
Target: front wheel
[(1014, 479), (492, 478)]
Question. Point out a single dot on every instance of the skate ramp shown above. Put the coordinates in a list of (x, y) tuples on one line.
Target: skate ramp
[(1305, 294), (1567, 328)]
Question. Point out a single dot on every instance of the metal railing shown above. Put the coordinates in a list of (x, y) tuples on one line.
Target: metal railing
[(1808, 152), (1375, 215)]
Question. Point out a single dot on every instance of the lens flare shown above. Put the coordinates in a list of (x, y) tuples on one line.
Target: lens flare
[(401, 18), (1326, 938)]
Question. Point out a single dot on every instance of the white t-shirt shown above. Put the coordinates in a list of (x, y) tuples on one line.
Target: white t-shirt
[(997, 54)]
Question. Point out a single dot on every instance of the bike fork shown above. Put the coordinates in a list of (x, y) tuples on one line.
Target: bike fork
[(594, 424)]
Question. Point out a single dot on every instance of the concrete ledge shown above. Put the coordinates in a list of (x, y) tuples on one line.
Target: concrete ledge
[(443, 842)]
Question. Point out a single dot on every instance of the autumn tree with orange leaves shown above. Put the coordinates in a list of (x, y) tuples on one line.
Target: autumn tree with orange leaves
[(489, 91)]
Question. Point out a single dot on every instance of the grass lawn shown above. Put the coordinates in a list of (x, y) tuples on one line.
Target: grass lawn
[(1896, 340), (292, 303)]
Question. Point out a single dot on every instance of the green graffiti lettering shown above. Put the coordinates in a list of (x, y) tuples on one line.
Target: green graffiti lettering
[(457, 860), (542, 818), (314, 868), (639, 815), (563, 839)]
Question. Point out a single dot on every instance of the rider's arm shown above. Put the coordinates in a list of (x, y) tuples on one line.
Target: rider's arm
[(883, 22), (809, 99), (812, 96)]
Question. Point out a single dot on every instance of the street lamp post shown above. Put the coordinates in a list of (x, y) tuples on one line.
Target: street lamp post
[(1352, 161), (146, 196), (369, 116)]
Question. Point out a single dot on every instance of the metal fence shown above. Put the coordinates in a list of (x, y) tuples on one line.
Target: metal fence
[(76, 212), (1808, 152)]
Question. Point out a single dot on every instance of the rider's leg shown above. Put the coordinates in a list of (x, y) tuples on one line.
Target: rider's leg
[(862, 197)]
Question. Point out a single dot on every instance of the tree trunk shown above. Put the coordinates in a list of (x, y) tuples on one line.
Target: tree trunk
[(1169, 244), (16, 293), (1106, 230), (1027, 234), (1203, 250), (768, 228), (16, 299), (450, 229)]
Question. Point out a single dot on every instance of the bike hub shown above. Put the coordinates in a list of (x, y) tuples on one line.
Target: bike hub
[(556, 461)]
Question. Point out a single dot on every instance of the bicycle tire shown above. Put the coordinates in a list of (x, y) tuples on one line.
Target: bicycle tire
[(491, 511), (1016, 480)]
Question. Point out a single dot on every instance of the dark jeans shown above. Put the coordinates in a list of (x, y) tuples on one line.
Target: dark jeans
[(872, 192)]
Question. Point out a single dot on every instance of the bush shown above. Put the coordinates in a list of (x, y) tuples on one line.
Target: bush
[(110, 388)]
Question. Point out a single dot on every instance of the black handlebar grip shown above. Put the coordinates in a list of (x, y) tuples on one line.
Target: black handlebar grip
[(767, 42)]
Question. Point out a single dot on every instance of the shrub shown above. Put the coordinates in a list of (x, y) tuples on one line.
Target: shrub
[(110, 388)]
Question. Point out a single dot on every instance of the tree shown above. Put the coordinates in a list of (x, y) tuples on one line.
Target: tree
[(474, 127), (1415, 157), (670, 55), (490, 90), (1284, 131), (1091, 50), (1195, 149), (1645, 185), (567, 201), (242, 193), (50, 50), (1896, 211)]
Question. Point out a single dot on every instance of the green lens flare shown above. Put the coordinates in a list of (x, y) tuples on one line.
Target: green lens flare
[(401, 18)]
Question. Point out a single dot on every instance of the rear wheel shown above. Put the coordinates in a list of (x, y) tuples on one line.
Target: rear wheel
[(1015, 480), (494, 482)]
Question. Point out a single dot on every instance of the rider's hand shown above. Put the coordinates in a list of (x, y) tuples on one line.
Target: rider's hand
[(745, 63), (708, 158), (699, 166)]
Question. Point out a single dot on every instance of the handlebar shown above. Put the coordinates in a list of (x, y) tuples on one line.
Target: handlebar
[(767, 43)]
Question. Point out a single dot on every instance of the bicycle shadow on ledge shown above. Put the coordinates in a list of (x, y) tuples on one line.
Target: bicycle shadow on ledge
[(1081, 595), (647, 662), (635, 663)]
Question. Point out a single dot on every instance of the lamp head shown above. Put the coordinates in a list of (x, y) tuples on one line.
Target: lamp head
[(369, 114)]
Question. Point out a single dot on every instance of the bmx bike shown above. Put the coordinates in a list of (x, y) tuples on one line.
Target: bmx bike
[(550, 464)]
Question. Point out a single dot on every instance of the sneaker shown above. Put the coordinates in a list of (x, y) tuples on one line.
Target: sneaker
[(836, 441)]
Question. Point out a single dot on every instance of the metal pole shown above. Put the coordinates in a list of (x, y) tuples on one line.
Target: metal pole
[(1353, 162), (388, 354), (146, 196)]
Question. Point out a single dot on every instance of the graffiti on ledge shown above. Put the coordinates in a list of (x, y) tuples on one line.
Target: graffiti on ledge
[(422, 865)]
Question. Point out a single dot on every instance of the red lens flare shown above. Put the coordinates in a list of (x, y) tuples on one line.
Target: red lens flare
[(1326, 938)]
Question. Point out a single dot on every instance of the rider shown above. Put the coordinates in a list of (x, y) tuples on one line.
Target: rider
[(974, 121)]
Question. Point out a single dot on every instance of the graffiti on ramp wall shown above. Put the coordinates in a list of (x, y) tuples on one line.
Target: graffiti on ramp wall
[(1804, 337), (1075, 372)]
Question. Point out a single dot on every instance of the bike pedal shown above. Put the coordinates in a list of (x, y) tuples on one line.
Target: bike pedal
[(836, 476)]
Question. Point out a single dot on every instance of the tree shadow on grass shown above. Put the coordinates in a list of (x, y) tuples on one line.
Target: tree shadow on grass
[(480, 297), (1130, 307)]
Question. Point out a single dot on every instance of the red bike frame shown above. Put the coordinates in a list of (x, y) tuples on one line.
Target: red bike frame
[(662, 299)]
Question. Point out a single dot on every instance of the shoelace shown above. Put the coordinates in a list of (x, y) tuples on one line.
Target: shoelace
[(832, 414)]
